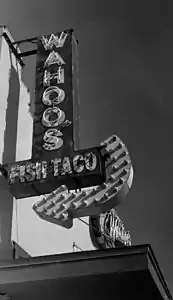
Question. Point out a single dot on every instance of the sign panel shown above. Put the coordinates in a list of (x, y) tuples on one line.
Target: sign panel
[(53, 122), (54, 160), (108, 231), (32, 178)]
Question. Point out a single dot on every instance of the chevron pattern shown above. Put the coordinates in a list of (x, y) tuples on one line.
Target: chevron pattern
[(62, 206)]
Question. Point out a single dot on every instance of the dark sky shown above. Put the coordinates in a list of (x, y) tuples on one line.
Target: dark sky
[(126, 87)]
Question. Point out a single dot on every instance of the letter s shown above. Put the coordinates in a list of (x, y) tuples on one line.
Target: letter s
[(52, 139)]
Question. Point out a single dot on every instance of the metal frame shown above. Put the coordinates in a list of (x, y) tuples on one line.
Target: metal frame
[(15, 51), (18, 54)]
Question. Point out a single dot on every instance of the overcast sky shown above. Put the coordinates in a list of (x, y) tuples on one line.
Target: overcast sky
[(126, 87)]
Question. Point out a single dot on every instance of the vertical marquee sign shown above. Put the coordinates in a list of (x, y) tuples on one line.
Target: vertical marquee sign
[(55, 167), (53, 124)]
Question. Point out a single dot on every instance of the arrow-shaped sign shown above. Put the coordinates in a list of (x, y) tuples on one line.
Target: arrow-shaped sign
[(61, 206)]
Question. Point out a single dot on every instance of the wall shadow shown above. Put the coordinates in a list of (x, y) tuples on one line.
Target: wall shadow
[(9, 155)]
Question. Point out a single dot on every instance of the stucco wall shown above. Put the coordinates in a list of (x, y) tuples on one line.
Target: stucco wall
[(10, 88)]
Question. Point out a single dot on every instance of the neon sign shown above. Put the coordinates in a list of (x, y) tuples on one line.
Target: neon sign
[(53, 125), (108, 231), (55, 167), (31, 171)]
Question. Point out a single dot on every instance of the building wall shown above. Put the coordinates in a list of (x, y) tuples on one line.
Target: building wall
[(10, 95)]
